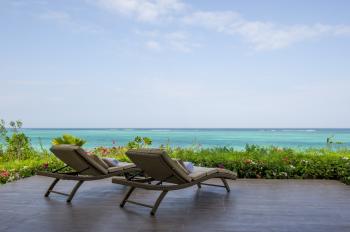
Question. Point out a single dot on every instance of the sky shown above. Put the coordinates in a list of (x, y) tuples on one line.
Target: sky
[(175, 63)]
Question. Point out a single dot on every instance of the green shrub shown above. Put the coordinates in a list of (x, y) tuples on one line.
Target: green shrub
[(274, 163), (269, 163), (18, 159), (116, 152), (68, 139), (139, 142), (261, 162), (17, 169), (16, 146)]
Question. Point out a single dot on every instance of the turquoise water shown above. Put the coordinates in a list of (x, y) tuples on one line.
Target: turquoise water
[(237, 138)]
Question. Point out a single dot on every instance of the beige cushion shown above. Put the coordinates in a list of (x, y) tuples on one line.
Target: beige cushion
[(99, 161), (222, 170), (108, 162), (91, 161), (78, 159), (121, 166), (199, 172), (182, 165), (157, 164)]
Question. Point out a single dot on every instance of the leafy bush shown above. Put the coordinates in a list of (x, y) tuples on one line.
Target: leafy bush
[(68, 139), (139, 142), (16, 146), (115, 152), (17, 169), (18, 159), (273, 162), (261, 162), (253, 162)]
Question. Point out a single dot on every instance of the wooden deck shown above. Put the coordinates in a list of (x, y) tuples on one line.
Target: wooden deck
[(252, 205)]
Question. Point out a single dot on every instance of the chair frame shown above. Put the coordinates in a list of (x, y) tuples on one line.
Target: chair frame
[(159, 186), (76, 176)]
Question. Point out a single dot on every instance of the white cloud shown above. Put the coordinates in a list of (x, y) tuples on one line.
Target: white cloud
[(342, 30), (178, 41), (262, 35), (153, 45), (144, 10)]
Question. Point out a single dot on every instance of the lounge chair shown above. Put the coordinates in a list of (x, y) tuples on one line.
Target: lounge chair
[(168, 175), (85, 167)]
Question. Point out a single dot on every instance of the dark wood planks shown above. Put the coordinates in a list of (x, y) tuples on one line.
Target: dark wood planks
[(252, 205)]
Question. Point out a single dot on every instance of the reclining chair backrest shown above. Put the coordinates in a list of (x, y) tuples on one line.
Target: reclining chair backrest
[(76, 158), (158, 165)]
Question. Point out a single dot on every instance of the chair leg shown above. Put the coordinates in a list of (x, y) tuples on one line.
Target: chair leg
[(76, 187), (127, 195), (226, 184), (199, 185), (51, 187), (159, 200)]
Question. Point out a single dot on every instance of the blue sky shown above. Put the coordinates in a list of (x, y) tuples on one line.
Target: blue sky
[(173, 63)]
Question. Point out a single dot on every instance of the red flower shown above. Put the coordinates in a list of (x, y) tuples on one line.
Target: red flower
[(248, 161), (286, 159), (4, 174), (221, 166), (45, 165)]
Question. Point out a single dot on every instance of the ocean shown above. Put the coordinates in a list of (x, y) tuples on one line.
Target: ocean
[(236, 138)]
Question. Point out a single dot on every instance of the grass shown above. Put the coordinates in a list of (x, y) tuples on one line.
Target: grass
[(253, 162)]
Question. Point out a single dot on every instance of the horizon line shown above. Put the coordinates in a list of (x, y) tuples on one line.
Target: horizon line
[(184, 128)]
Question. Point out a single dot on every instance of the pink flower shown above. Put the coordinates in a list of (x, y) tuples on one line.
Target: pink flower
[(286, 159), (45, 165), (4, 174), (248, 161), (221, 166)]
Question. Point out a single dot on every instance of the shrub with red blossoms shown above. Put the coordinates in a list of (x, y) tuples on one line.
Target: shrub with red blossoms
[(4, 173), (248, 161), (286, 159), (45, 165), (221, 166)]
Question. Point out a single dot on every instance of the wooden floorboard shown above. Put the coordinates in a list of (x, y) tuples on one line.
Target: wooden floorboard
[(252, 205)]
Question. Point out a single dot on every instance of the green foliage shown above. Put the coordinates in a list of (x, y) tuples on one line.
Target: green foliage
[(273, 162), (116, 152), (18, 159), (139, 142), (261, 162), (16, 145), (330, 141), (68, 139), (17, 169), (254, 162)]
